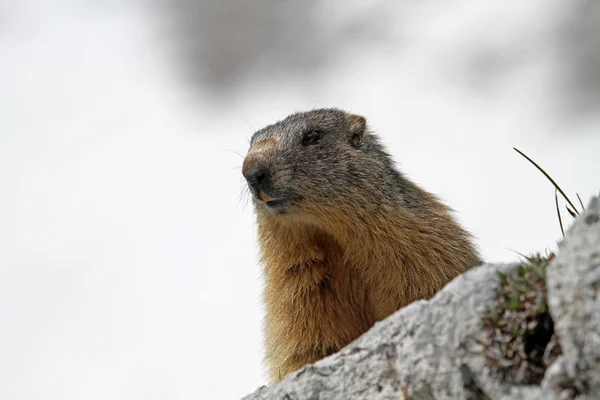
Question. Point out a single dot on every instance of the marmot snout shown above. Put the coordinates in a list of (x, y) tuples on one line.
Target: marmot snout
[(345, 238)]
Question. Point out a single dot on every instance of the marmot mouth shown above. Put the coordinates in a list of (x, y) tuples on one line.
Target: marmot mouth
[(277, 203), (264, 197), (280, 204)]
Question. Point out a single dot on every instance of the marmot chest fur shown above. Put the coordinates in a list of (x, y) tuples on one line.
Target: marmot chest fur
[(345, 238)]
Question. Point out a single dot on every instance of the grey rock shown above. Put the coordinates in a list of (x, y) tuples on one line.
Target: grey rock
[(573, 282), (431, 350)]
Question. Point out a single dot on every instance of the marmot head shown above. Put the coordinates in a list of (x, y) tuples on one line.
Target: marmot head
[(313, 159)]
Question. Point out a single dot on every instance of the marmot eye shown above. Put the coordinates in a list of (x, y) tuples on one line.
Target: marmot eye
[(311, 137)]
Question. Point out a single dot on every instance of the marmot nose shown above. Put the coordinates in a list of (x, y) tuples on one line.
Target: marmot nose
[(257, 177)]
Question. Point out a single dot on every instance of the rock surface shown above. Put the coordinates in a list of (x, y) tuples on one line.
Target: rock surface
[(432, 349), (573, 282)]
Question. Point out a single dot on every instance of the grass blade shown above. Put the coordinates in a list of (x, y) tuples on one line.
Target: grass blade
[(558, 212), (549, 178), (580, 202)]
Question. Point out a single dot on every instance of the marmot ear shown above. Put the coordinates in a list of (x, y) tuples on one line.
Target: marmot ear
[(356, 128)]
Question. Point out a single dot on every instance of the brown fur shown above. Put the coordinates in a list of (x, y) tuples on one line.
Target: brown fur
[(332, 269)]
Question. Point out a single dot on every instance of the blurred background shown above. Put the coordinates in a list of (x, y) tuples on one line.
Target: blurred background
[(128, 256)]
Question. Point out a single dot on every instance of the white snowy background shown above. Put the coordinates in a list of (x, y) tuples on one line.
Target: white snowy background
[(128, 260)]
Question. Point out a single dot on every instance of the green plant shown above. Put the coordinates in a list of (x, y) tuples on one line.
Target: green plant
[(519, 328)]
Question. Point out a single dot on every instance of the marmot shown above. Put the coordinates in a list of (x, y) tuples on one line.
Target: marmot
[(345, 238)]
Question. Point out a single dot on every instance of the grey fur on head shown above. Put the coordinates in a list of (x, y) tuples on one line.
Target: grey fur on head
[(346, 159)]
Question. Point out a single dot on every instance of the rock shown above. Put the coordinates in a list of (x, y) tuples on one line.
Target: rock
[(573, 282), (433, 350)]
